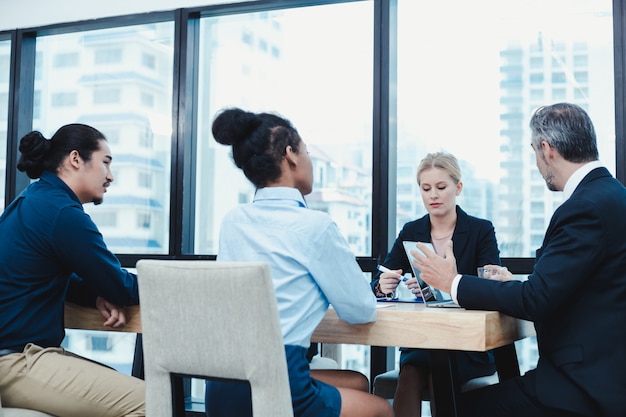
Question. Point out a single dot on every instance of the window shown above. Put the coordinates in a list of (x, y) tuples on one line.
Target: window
[(5, 49), (340, 146), (536, 94), (113, 137), (139, 136), (104, 218), (581, 93), (4, 104), (64, 100), (559, 94), (510, 42), (406, 188), (558, 62), (407, 172), (559, 46), (247, 37), (581, 61), (100, 343), (536, 240), (37, 105), (147, 99), (143, 220), (537, 223), (66, 60), (148, 60), (144, 179), (536, 207), (5, 59), (581, 77), (106, 96), (582, 46), (243, 198), (108, 56), (536, 62), (537, 190), (146, 138), (275, 52)]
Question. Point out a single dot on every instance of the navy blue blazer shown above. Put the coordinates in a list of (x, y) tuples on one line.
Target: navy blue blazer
[(474, 243), (576, 297)]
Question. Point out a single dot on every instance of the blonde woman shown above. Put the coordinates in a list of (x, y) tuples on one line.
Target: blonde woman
[(439, 179)]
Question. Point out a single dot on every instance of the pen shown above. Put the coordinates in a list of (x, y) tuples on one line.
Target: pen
[(383, 268)]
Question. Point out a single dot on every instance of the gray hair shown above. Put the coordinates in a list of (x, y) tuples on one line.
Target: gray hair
[(568, 129)]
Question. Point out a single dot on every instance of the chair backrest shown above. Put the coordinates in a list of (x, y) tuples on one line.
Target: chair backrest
[(198, 316)]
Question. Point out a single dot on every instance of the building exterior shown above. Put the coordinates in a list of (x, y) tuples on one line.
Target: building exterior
[(119, 81), (533, 74)]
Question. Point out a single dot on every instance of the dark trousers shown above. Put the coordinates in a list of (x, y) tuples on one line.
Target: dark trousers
[(511, 398)]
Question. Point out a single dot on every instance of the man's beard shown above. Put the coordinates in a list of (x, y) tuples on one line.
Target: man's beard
[(549, 179)]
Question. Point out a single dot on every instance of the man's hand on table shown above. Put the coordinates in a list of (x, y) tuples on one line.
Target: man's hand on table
[(113, 314)]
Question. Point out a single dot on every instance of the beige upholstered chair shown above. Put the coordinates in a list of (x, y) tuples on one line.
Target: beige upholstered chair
[(197, 319)]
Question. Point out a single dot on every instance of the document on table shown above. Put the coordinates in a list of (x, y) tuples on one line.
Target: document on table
[(383, 305)]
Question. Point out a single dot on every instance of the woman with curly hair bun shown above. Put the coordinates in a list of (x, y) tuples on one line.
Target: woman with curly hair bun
[(311, 263)]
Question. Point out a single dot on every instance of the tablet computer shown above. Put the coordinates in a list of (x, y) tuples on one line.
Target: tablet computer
[(432, 297)]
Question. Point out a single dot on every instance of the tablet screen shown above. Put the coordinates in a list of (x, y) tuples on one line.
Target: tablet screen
[(427, 293)]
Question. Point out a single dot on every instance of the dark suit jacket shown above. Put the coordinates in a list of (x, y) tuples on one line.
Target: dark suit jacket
[(576, 296), (474, 243)]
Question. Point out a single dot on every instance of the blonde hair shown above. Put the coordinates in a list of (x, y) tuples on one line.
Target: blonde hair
[(441, 160)]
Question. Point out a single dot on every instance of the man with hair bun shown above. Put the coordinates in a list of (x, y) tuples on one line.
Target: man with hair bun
[(51, 251)]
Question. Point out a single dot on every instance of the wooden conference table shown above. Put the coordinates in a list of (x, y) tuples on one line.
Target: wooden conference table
[(443, 330)]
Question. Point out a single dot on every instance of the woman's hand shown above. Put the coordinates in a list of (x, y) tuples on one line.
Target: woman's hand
[(412, 285), (388, 281)]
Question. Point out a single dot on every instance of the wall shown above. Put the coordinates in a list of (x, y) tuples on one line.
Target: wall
[(18, 14)]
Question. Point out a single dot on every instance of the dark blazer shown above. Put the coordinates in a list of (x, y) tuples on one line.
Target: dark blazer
[(474, 243), (576, 297)]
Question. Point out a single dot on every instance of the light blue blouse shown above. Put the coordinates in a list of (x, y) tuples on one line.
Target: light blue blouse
[(311, 263)]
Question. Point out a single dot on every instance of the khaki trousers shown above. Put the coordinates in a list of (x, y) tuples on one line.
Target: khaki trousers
[(61, 383)]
